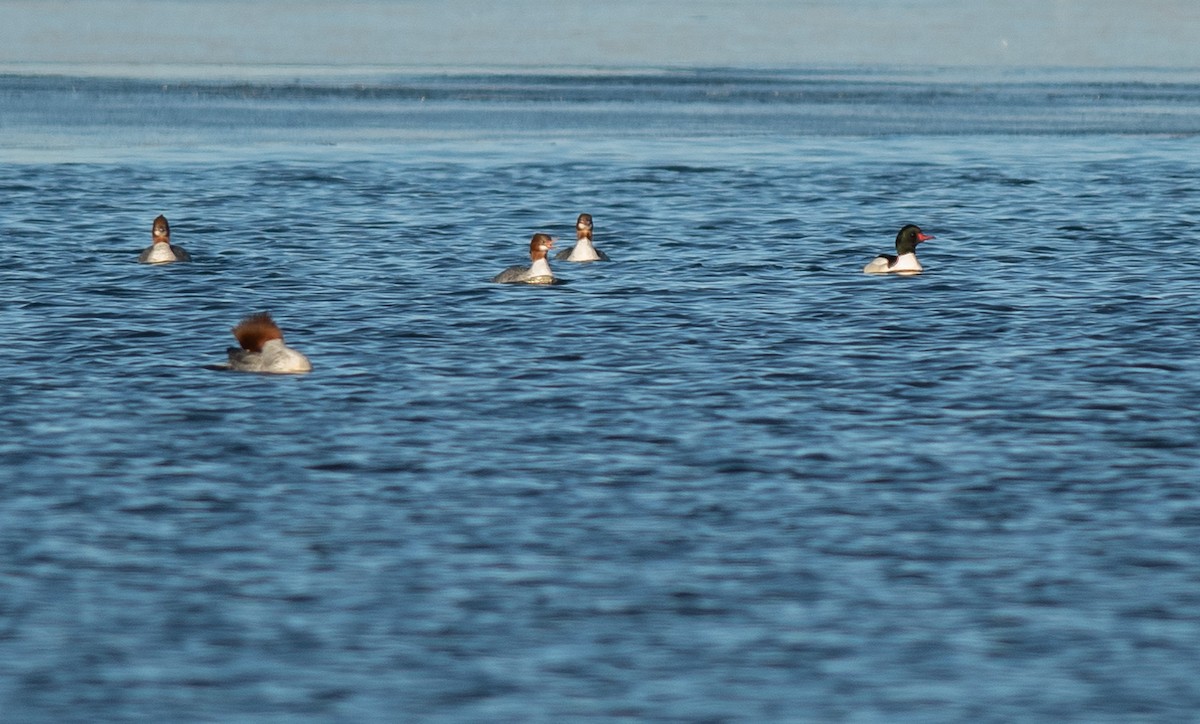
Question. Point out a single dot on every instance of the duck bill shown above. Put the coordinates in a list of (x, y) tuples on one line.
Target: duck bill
[(924, 237)]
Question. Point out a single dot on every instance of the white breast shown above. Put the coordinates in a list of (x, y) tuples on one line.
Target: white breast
[(158, 254), (906, 263), (584, 251)]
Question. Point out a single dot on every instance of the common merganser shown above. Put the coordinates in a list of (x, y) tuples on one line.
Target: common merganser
[(262, 348), (583, 249), (161, 251), (536, 273), (906, 249)]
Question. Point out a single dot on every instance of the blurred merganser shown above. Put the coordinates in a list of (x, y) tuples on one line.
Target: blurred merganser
[(262, 348), (583, 249), (906, 250), (536, 273), (161, 251)]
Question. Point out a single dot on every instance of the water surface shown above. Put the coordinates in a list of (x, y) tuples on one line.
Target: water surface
[(725, 477)]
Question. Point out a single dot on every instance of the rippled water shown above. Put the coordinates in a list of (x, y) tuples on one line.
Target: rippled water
[(724, 477)]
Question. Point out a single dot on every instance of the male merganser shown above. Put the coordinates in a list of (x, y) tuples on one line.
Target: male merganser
[(161, 251), (262, 348), (906, 248), (583, 249), (536, 273)]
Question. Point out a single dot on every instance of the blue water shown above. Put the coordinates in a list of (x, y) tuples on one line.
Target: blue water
[(725, 477)]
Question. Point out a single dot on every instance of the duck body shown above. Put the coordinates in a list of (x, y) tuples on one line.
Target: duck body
[(885, 263), (905, 261), (538, 272), (274, 357), (163, 254), (582, 251)]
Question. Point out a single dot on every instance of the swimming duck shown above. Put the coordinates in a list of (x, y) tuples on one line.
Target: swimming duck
[(583, 249), (906, 250), (161, 251), (536, 273), (262, 348)]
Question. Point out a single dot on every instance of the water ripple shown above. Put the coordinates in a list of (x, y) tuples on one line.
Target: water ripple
[(725, 476)]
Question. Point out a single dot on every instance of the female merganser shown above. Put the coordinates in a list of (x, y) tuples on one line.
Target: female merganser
[(906, 249), (538, 272), (262, 348), (583, 249), (161, 251)]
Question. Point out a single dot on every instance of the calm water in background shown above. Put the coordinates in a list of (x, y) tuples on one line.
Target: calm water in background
[(725, 477)]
